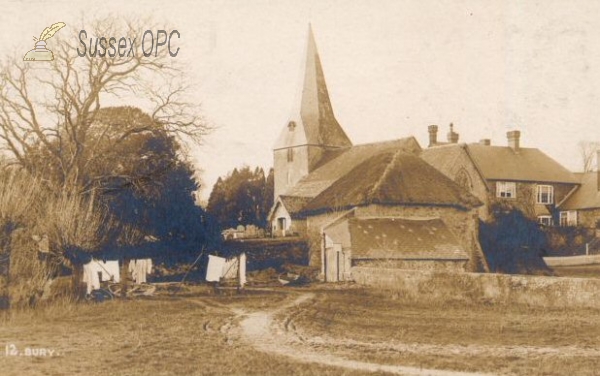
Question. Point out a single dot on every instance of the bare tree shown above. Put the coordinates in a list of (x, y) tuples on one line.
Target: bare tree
[(587, 150), (48, 110)]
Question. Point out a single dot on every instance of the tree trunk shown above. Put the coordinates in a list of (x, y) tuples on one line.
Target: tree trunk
[(76, 282), (4, 280)]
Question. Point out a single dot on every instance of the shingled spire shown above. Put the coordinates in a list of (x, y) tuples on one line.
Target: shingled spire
[(312, 130), (312, 121)]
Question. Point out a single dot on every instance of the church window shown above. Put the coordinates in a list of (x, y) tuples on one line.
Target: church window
[(464, 180), (290, 155)]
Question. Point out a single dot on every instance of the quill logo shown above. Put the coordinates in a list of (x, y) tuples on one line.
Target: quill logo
[(40, 52)]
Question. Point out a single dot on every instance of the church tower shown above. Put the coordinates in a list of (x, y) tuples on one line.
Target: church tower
[(311, 130)]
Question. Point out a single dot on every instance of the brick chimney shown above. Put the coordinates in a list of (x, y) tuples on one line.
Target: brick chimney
[(433, 129), (452, 136), (485, 142), (514, 139)]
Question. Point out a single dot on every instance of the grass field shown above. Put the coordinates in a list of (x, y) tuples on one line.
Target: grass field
[(458, 336), (304, 331)]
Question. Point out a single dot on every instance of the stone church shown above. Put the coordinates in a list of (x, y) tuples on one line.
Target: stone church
[(369, 204)]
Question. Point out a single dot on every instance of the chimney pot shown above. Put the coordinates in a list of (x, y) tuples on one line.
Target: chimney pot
[(452, 136), (485, 142), (433, 129), (514, 139)]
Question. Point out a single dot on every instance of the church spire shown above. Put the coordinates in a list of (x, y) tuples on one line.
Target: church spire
[(312, 121)]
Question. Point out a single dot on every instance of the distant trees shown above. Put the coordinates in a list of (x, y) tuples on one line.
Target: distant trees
[(242, 197), (149, 189), (587, 151)]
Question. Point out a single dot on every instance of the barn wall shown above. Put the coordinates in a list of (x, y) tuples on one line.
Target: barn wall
[(463, 224)]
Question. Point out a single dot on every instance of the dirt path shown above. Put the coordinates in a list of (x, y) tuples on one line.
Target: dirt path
[(267, 334)]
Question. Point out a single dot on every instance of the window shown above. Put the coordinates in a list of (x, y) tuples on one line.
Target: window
[(463, 179), (290, 155), (545, 220), (568, 218), (545, 194), (506, 189)]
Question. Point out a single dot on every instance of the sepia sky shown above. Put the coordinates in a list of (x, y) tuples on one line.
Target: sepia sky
[(392, 67)]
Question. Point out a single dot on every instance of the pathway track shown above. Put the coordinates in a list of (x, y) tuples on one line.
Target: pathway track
[(269, 335)]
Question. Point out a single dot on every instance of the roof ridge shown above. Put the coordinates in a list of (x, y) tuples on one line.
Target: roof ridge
[(384, 175), (382, 142)]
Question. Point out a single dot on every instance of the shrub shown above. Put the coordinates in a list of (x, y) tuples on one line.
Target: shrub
[(512, 243)]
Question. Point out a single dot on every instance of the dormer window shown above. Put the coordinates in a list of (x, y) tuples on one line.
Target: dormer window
[(291, 126), (506, 189), (545, 194)]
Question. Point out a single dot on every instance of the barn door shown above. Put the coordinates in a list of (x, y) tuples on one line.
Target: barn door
[(334, 263)]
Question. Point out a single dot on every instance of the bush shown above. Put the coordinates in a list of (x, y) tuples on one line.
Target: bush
[(512, 243), (567, 241)]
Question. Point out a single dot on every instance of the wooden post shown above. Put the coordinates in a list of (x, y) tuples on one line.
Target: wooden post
[(76, 280), (587, 249)]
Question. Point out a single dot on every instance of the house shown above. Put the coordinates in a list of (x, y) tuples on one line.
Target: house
[(525, 178), (582, 207), (321, 177)]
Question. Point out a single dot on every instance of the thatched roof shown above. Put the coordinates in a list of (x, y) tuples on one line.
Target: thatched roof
[(406, 239), (392, 178), (338, 164), (585, 197)]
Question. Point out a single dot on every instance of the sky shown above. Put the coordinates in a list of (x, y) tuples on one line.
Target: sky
[(392, 68)]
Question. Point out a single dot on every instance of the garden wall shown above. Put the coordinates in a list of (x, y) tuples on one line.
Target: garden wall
[(486, 288)]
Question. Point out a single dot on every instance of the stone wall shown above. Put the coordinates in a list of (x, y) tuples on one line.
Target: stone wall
[(429, 265), (484, 288)]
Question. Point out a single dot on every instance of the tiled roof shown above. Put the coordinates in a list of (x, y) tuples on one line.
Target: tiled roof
[(528, 164), (502, 163), (587, 196), (338, 164), (392, 178), (294, 204), (400, 238)]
